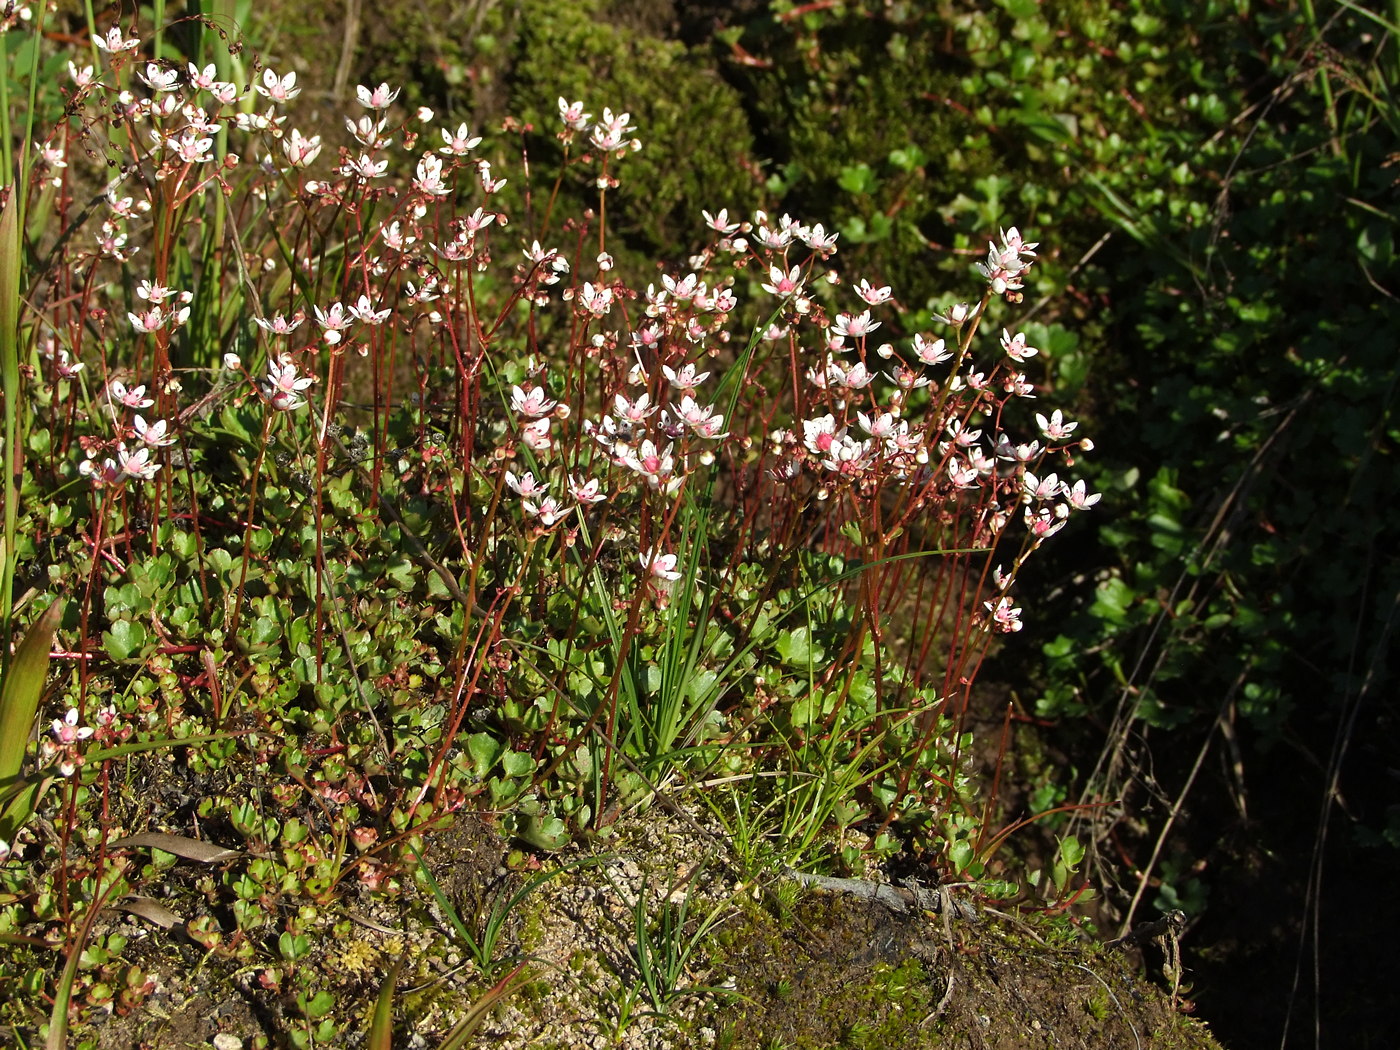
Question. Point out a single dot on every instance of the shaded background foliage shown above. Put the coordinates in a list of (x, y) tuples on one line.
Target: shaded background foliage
[(1214, 184)]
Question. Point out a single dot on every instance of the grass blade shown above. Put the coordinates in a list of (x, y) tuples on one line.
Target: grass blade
[(381, 1025), (22, 688)]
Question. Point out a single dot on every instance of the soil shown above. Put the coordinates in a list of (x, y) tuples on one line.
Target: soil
[(780, 967)]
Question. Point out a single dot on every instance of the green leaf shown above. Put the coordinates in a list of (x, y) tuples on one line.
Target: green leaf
[(517, 763), (485, 750), (545, 833), (124, 641), (857, 178), (797, 649)]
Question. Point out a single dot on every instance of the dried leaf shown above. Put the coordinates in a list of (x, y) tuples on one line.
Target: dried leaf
[(190, 849), (151, 910)]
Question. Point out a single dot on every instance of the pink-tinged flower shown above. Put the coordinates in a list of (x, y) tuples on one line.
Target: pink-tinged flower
[(961, 475), (364, 167), (1019, 453), (199, 120), (299, 149), (1011, 239), (774, 239), (597, 301), (1079, 496), (67, 731), (136, 463), (82, 78), (283, 386), (931, 353), (428, 178), (1018, 385), (152, 435), (134, 397), (478, 220), (661, 566), (111, 242), (820, 434), (395, 237), (66, 369), (648, 337), (368, 132), (114, 42), (881, 426), (902, 442), (784, 283), (961, 435), (724, 302), (334, 320), (907, 378), (203, 79), (533, 404), (1055, 428), (159, 79), (821, 242), (460, 142), (192, 149), (151, 320), (655, 465), (873, 296), (573, 116), (854, 327), (1015, 346), (258, 122), (1034, 488), (380, 98), (552, 262), (233, 362), (686, 288), (549, 510), (720, 222), (525, 485), (5, 851), (535, 435), (633, 411), (280, 325), (108, 472), (1044, 522), (686, 379), (848, 456), (1005, 617), (586, 492), (702, 420), (154, 293), (281, 89), (363, 310), (610, 133), (490, 185), (224, 92), (857, 377)]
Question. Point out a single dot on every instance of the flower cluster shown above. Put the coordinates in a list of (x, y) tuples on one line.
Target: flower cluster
[(833, 413)]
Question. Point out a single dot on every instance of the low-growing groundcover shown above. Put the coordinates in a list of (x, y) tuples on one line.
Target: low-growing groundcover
[(342, 503)]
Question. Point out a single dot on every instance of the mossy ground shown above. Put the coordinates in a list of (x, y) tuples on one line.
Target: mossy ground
[(806, 970)]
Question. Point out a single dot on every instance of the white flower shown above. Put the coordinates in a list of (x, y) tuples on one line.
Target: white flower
[(662, 566), (379, 98)]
